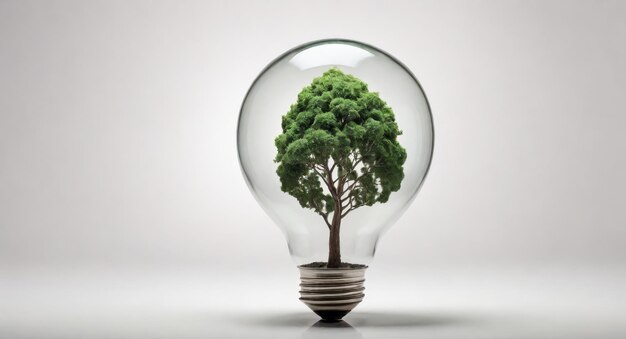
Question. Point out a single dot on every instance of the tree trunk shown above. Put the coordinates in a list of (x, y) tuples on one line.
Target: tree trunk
[(334, 252)]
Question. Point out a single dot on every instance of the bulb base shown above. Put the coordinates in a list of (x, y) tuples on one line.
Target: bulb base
[(332, 292)]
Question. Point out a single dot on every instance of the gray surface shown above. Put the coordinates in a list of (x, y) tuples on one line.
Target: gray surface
[(454, 303), (123, 211)]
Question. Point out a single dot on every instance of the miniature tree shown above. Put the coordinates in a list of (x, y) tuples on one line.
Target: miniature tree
[(339, 151)]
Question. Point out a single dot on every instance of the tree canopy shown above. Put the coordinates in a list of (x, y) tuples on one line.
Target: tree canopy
[(338, 149)]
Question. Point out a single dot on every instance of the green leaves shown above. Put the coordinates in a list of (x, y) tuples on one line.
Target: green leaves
[(339, 146), (325, 121), (345, 110)]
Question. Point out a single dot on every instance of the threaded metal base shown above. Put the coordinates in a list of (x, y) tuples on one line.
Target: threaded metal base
[(331, 292)]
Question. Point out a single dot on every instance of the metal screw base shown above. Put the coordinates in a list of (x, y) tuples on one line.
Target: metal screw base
[(331, 292)]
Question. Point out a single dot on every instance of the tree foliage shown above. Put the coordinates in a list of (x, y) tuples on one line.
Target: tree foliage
[(338, 149)]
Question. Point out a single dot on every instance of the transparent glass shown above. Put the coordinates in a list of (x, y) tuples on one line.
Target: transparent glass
[(270, 97)]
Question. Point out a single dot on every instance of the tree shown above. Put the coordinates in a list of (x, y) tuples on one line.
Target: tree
[(339, 151)]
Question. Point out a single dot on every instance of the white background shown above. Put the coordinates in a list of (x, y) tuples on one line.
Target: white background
[(123, 212)]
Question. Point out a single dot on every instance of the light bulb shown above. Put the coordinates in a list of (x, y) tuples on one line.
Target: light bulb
[(335, 138)]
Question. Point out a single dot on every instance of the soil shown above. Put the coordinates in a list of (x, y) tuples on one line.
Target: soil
[(320, 264)]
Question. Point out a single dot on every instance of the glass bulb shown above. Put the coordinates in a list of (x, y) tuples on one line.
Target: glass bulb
[(271, 97)]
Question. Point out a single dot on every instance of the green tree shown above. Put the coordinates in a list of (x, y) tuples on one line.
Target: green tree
[(339, 151)]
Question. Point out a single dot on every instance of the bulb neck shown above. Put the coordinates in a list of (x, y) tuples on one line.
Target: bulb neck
[(332, 292)]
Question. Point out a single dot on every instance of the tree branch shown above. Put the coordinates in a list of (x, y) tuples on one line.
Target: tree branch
[(350, 202), (332, 168), (348, 211), (356, 181), (329, 180), (325, 217), (321, 176), (355, 162)]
